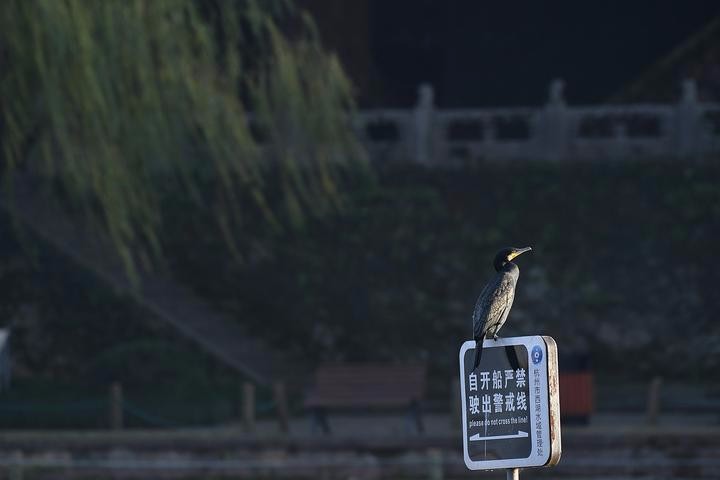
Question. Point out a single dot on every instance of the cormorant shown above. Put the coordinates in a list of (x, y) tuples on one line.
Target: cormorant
[(494, 303)]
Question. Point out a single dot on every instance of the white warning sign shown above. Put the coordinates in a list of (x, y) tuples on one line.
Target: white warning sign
[(510, 412)]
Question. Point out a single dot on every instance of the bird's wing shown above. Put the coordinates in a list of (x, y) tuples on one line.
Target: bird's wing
[(495, 299), (481, 308)]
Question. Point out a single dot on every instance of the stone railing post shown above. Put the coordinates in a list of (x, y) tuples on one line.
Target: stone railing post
[(619, 148), (687, 121), (552, 126), (115, 412), (423, 116), (281, 406), (248, 406)]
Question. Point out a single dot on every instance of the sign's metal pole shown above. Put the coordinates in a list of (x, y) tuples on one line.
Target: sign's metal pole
[(513, 474)]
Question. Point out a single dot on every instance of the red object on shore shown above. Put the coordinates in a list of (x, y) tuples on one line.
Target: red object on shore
[(576, 396)]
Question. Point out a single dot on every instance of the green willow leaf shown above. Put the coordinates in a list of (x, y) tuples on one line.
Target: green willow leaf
[(122, 105)]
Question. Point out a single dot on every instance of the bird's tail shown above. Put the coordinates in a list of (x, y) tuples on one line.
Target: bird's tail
[(478, 352)]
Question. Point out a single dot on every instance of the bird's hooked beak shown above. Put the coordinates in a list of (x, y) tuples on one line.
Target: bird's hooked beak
[(517, 252)]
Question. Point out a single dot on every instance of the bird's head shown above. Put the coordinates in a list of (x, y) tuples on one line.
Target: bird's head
[(507, 255)]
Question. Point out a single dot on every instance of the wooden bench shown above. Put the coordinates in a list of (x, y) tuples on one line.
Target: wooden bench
[(367, 386)]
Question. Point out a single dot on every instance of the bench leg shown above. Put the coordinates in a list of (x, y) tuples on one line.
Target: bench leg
[(320, 421), (416, 416)]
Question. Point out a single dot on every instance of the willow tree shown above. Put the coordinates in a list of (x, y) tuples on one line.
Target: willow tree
[(115, 102)]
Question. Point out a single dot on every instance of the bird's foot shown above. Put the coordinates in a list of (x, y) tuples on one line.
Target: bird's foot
[(495, 337)]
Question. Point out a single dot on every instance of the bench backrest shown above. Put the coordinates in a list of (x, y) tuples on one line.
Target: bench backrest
[(367, 385)]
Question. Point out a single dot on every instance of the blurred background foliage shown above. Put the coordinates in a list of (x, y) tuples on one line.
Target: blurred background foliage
[(397, 274), (394, 277), (124, 107)]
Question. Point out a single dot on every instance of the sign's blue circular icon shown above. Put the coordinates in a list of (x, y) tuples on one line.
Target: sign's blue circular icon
[(536, 354)]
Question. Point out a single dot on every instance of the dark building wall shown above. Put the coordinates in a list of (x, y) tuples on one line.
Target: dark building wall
[(479, 53), (345, 30)]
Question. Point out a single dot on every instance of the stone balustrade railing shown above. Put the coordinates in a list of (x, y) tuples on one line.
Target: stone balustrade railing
[(556, 131)]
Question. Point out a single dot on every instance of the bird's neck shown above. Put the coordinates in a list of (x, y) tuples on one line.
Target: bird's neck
[(508, 267)]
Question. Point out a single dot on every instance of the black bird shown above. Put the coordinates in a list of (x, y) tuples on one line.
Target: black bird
[(494, 303)]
